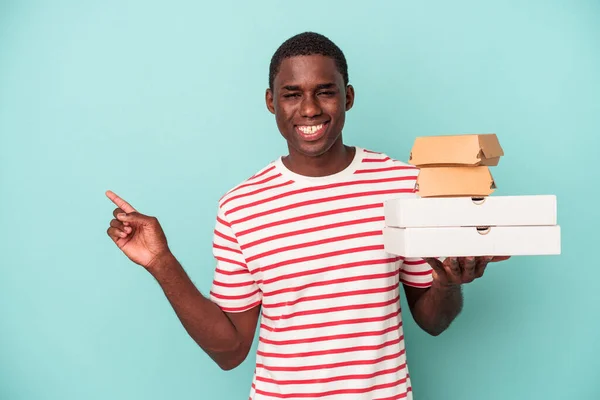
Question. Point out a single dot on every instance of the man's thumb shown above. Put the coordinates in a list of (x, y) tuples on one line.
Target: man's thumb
[(130, 217)]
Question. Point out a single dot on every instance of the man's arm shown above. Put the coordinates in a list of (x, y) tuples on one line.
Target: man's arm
[(434, 308), (225, 337)]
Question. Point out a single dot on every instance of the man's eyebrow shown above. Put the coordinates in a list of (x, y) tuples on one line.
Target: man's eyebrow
[(320, 86), (326, 86)]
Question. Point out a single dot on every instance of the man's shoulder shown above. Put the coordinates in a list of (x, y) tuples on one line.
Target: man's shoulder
[(256, 182)]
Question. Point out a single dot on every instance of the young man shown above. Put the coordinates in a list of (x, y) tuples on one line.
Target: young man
[(301, 240)]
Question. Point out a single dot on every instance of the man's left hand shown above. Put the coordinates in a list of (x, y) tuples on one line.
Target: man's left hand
[(455, 271)]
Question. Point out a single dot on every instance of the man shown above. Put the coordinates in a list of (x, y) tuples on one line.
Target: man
[(301, 240)]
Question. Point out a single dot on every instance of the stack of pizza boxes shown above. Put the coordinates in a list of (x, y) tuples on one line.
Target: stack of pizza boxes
[(455, 214)]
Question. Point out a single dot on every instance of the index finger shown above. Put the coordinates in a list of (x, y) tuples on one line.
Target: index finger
[(122, 204)]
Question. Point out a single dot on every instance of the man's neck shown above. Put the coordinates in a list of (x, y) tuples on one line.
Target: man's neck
[(336, 159)]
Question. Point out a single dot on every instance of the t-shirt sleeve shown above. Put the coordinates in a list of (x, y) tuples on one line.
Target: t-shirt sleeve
[(416, 272), (233, 288)]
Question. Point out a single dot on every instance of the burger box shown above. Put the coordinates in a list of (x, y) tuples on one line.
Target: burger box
[(456, 150), (455, 165), (455, 181), (466, 226)]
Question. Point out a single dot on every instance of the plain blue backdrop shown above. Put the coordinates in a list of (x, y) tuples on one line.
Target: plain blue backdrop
[(164, 104)]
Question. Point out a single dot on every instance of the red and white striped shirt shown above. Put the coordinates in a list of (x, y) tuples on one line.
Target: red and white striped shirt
[(310, 251)]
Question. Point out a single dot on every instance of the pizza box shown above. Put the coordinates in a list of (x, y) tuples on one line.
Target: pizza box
[(471, 211), (473, 241)]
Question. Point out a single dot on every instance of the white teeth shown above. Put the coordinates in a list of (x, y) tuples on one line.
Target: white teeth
[(309, 130)]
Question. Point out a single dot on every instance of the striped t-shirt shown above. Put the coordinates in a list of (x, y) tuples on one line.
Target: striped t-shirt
[(310, 251)]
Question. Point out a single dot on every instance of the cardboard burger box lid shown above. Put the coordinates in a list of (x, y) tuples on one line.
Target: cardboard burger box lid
[(455, 182), (460, 150)]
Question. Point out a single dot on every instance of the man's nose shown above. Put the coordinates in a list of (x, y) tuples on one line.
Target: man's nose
[(310, 107)]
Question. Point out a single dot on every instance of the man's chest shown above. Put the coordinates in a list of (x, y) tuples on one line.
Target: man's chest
[(314, 248)]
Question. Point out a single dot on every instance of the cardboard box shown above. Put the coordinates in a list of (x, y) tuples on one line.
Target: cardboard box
[(455, 181), (532, 210), (456, 150), (472, 241)]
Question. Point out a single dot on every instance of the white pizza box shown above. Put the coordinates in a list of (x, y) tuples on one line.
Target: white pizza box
[(473, 241), (416, 212)]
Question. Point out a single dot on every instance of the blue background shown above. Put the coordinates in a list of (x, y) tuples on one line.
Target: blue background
[(164, 104)]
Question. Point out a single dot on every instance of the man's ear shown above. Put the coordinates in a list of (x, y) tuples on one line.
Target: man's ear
[(349, 97), (269, 100)]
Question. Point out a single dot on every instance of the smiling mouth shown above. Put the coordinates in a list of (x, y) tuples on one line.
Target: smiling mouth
[(311, 132)]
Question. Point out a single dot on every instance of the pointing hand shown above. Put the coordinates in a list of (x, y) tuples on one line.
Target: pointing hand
[(139, 236)]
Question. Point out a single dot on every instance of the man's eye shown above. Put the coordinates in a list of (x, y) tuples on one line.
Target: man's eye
[(290, 95), (329, 93)]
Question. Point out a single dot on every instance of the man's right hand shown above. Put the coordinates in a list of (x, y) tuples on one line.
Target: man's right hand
[(139, 236), (226, 338)]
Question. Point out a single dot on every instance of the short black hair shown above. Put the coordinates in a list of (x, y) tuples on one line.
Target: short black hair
[(306, 44)]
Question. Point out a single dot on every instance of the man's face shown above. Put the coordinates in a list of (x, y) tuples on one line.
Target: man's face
[(309, 101)]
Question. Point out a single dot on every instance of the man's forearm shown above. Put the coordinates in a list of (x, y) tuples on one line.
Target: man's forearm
[(204, 321), (435, 310)]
